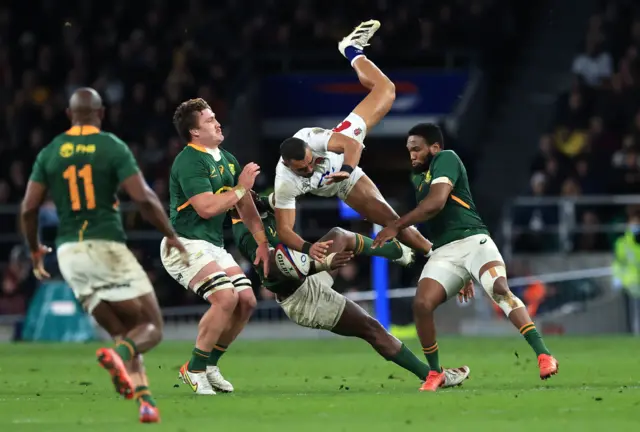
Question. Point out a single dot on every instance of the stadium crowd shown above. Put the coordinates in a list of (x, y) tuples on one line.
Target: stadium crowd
[(145, 57), (593, 144)]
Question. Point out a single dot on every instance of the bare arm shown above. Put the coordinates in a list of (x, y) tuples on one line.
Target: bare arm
[(208, 204), (33, 199), (249, 214), (148, 202), (352, 149), (428, 207), (285, 221)]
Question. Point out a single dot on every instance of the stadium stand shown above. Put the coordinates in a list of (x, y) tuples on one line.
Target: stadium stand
[(144, 57)]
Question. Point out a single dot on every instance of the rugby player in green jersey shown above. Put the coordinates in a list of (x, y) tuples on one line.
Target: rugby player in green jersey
[(312, 302), (82, 169), (463, 249), (206, 181)]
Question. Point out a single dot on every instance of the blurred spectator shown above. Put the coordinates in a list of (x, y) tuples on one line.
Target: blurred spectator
[(571, 125), (591, 239), (17, 284), (536, 221), (594, 65), (626, 270)]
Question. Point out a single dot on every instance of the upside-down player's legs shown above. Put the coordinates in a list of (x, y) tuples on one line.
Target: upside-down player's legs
[(366, 199), (381, 90)]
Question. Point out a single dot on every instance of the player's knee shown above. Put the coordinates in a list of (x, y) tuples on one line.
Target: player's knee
[(225, 300), (155, 334), (247, 303), (390, 90), (336, 233), (424, 304), (494, 282)]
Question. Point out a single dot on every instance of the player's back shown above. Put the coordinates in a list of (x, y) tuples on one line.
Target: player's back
[(83, 168)]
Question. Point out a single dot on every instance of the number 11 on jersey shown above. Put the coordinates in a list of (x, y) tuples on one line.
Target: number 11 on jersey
[(71, 175)]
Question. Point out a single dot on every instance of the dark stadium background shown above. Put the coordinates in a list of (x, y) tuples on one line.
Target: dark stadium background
[(536, 124)]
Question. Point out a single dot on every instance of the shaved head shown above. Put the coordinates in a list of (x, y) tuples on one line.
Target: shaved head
[(85, 107), (85, 99)]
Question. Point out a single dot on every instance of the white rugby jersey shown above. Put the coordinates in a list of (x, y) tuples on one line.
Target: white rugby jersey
[(289, 185)]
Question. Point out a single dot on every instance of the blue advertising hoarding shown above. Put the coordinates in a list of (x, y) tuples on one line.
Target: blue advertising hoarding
[(293, 101)]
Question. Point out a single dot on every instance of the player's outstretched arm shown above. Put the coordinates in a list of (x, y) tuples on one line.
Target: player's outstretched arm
[(150, 206), (426, 209), (285, 221)]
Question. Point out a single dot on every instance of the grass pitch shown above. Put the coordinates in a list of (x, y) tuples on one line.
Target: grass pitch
[(334, 385)]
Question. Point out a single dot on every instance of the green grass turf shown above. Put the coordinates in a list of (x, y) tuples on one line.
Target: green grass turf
[(336, 385)]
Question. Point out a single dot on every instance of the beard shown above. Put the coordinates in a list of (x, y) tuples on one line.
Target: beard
[(423, 167)]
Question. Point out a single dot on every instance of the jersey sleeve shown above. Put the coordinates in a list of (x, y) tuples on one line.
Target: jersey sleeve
[(193, 177), (317, 138), (286, 190), (38, 173), (445, 169), (123, 160)]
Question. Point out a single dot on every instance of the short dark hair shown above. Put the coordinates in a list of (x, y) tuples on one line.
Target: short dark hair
[(430, 132), (186, 117), (293, 149)]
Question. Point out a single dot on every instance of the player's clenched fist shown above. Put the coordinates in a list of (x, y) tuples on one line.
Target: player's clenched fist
[(248, 175)]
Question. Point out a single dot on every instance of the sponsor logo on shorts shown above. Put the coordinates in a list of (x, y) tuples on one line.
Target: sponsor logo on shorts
[(113, 286), (357, 132), (483, 241)]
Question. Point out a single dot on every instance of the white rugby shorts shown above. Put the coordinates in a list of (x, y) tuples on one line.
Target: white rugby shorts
[(453, 264), (315, 304), (201, 253), (98, 270)]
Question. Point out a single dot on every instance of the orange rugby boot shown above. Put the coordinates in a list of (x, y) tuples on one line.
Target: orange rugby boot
[(548, 366), (149, 413), (434, 381), (112, 363)]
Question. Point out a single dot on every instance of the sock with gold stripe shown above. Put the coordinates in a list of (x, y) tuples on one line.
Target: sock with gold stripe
[(198, 362), (142, 393), (431, 353), (390, 250), (534, 339), (126, 349), (407, 360), (216, 353)]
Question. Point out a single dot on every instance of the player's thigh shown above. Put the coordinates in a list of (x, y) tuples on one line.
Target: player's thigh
[(315, 304), (441, 275), (353, 126), (205, 272), (366, 199), (483, 256), (98, 270)]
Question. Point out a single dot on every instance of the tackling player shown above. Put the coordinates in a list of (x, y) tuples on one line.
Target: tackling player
[(324, 162), (463, 248), (205, 182), (82, 169), (312, 302)]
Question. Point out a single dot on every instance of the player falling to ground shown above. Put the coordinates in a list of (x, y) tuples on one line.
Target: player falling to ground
[(312, 302), (324, 162), (463, 248), (206, 181), (82, 170)]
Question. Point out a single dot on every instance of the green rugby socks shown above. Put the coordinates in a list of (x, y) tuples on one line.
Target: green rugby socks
[(407, 360), (390, 250), (198, 362), (534, 339), (218, 351), (431, 353), (126, 349)]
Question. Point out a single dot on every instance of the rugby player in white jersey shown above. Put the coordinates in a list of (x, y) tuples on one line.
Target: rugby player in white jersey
[(325, 162)]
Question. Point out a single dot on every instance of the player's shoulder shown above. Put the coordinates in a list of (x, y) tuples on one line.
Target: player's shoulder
[(447, 156), (309, 132), (189, 155), (227, 154)]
